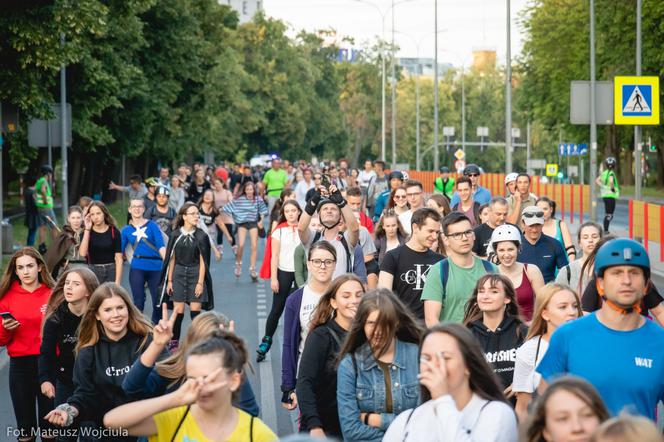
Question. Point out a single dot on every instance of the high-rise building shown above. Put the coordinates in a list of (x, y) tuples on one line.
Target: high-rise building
[(245, 8), (484, 59)]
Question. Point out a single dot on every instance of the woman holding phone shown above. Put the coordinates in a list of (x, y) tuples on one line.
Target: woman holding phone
[(24, 292)]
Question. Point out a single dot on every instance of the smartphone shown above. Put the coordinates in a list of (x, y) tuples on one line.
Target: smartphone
[(7, 315), (326, 181)]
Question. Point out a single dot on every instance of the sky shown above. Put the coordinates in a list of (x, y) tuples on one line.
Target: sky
[(464, 25)]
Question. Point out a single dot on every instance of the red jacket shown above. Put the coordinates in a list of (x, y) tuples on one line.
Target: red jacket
[(366, 222), (28, 308)]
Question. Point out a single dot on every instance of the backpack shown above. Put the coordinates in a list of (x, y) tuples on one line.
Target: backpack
[(445, 273), (344, 243)]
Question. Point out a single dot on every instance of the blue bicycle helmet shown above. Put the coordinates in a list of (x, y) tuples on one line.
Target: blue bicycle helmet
[(622, 252)]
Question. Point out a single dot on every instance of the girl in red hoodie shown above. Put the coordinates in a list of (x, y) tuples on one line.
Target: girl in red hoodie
[(24, 292)]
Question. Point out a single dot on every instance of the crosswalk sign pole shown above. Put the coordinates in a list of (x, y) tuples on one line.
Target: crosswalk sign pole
[(637, 129)]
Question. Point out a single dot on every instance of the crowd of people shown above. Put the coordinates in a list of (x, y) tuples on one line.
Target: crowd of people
[(455, 316)]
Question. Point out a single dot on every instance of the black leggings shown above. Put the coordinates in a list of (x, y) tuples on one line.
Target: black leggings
[(609, 208), (220, 234), (286, 280), (27, 399)]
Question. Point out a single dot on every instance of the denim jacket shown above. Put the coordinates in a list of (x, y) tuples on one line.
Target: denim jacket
[(364, 391)]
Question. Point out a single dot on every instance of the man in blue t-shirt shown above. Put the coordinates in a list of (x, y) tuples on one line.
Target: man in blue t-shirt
[(480, 194), (616, 349), (539, 249), (395, 180)]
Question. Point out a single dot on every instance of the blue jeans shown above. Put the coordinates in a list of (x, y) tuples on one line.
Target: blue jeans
[(137, 280), (31, 237)]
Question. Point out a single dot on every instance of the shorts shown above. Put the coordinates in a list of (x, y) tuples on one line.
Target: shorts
[(372, 267), (250, 225), (184, 284), (43, 214)]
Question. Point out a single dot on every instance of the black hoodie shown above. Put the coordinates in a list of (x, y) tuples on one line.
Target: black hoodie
[(56, 355), (317, 379), (500, 347), (99, 372)]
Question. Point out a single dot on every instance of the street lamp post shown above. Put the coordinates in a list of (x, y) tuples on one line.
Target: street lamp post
[(435, 87), (508, 95), (593, 119), (638, 146)]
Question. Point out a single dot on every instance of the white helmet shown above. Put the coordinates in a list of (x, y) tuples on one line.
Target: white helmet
[(405, 175), (506, 232), (511, 177)]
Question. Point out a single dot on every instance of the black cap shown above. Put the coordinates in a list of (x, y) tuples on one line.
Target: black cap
[(471, 168), (395, 174), (46, 169), (444, 169)]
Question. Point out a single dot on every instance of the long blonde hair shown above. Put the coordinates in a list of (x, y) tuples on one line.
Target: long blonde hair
[(90, 330), (543, 297), (202, 327)]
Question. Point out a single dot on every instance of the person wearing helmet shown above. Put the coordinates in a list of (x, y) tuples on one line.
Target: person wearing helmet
[(520, 199), (150, 198), (444, 184), (332, 208), (609, 190), (615, 348), (539, 249), (504, 247), (651, 304), (510, 183), (162, 213), (480, 194), (483, 232), (395, 178), (43, 196)]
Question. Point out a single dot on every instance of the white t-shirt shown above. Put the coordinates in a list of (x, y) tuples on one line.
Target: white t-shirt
[(405, 218), (526, 379), (366, 242), (301, 190), (309, 302), (340, 267), (438, 420), (288, 241), (365, 177)]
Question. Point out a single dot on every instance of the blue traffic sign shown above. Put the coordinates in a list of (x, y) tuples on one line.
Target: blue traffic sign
[(572, 150)]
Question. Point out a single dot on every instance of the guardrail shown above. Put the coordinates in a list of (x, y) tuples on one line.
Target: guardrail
[(646, 220)]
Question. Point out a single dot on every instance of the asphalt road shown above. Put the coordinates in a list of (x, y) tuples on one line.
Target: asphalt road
[(245, 302)]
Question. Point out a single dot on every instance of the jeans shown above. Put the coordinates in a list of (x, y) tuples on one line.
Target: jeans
[(30, 405), (137, 280), (31, 237), (104, 272), (286, 280)]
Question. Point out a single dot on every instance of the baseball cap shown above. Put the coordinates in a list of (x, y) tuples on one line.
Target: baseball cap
[(152, 182), (510, 177), (532, 215)]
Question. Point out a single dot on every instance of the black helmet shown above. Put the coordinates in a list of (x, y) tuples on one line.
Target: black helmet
[(46, 169), (471, 168), (395, 174), (324, 201), (610, 162), (444, 169)]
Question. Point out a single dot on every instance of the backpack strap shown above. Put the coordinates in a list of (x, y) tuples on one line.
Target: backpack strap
[(487, 266), (349, 257), (444, 275), (177, 429), (251, 429)]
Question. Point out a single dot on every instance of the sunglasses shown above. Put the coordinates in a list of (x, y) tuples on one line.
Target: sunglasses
[(533, 215), (473, 175), (400, 197)]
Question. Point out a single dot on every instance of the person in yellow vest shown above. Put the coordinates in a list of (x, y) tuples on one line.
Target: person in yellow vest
[(609, 190), (44, 201), (444, 184)]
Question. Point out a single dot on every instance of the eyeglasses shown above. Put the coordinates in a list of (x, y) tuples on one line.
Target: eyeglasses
[(414, 194), (458, 236), (322, 262), (193, 214), (533, 215), (473, 175), (400, 197), (137, 207)]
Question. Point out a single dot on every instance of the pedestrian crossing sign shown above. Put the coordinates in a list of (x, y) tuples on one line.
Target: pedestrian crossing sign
[(636, 100)]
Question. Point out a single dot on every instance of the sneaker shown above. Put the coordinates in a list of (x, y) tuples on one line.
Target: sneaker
[(238, 269), (42, 248), (263, 348)]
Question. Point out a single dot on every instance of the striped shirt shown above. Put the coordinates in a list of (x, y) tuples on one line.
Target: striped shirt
[(244, 210)]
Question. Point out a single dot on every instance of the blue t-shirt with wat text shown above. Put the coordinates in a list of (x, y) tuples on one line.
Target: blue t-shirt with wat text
[(626, 367)]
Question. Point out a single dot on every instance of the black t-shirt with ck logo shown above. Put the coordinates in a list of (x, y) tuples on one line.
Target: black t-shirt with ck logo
[(410, 269)]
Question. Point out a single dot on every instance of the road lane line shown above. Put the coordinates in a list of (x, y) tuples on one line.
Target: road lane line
[(268, 401)]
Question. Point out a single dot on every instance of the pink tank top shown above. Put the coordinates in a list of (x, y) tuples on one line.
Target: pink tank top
[(525, 296)]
